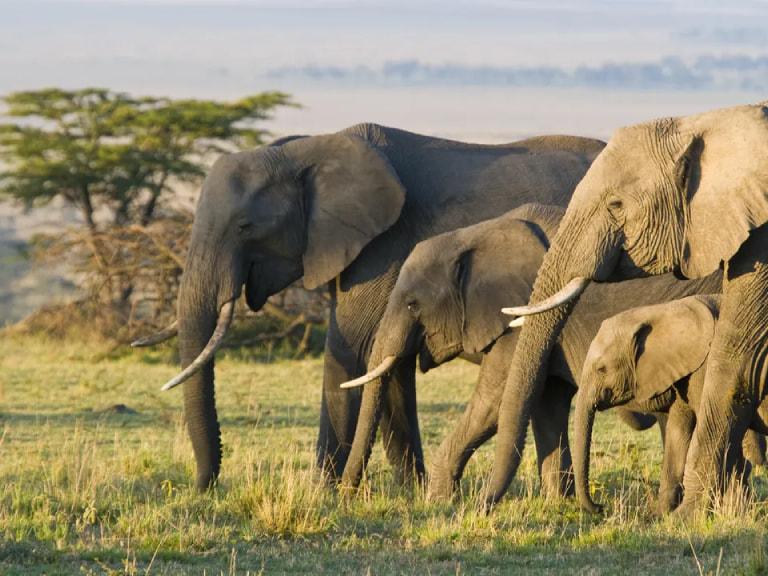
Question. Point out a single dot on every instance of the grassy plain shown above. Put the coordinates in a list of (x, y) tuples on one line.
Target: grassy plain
[(88, 488)]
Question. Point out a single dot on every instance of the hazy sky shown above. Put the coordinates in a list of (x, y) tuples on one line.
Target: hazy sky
[(228, 49)]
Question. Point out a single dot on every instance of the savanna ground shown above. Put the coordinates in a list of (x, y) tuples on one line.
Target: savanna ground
[(90, 488)]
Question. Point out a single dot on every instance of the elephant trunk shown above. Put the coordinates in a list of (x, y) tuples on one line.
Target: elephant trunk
[(206, 303), (528, 369), (195, 329), (585, 418), (367, 424), (517, 401), (390, 345)]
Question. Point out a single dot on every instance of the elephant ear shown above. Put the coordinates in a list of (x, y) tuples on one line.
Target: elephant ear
[(498, 270), (671, 343), (352, 194), (723, 174)]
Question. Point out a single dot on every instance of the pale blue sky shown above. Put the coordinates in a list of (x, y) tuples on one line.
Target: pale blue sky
[(332, 55)]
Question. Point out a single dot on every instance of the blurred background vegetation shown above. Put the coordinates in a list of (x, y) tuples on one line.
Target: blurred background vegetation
[(125, 166)]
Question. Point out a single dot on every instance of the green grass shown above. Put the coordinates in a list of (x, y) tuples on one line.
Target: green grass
[(84, 490)]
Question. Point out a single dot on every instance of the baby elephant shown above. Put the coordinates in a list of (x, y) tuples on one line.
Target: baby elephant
[(652, 359)]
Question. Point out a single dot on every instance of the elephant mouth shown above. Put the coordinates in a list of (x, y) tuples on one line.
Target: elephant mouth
[(440, 356)]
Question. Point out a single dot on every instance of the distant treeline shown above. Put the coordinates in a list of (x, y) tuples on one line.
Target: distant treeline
[(706, 72)]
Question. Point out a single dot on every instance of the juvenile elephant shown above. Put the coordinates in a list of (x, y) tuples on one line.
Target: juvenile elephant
[(447, 301), (651, 359), (676, 194), (343, 209)]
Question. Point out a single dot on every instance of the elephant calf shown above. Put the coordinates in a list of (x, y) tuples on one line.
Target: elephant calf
[(653, 359)]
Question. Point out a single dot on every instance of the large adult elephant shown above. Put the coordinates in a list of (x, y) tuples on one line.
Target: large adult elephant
[(343, 209), (676, 194), (447, 301), (652, 359)]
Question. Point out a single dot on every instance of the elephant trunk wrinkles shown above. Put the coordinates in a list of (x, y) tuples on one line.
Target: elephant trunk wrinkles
[(518, 400), (585, 418), (391, 341), (200, 414), (199, 303), (528, 370), (367, 424)]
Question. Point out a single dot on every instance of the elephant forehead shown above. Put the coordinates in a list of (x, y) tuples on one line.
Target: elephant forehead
[(243, 171), (611, 335)]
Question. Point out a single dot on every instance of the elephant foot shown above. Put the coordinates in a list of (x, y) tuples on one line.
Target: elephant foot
[(442, 488), (332, 466), (409, 476), (688, 510), (558, 485), (593, 508), (669, 499)]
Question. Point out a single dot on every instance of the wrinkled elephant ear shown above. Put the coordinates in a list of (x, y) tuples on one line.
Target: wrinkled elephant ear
[(352, 195), (725, 175), (499, 270), (673, 343)]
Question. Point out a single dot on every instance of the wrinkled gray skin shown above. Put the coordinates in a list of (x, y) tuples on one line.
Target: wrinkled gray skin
[(652, 359), (447, 300), (677, 194), (345, 209)]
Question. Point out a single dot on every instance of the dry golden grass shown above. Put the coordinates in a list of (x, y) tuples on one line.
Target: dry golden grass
[(87, 488)]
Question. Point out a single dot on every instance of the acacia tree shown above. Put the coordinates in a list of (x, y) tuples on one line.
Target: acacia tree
[(120, 161), (101, 149)]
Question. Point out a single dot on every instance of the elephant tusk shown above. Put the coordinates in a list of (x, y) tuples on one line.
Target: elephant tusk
[(377, 372), (517, 322), (162, 336), (571, 291), (225, 317)]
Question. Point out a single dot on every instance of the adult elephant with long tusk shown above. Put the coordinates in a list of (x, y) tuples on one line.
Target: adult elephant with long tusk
[(689, 195), (343, 209)]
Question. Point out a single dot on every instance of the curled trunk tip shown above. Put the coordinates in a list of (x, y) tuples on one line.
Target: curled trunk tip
[(225, 318), (572, 290), (378, 372), (161, 336)]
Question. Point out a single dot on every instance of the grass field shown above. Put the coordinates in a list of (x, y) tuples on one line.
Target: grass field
[(89, 489)]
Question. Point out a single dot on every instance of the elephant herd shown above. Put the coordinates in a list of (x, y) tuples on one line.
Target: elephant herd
[(636, 272)]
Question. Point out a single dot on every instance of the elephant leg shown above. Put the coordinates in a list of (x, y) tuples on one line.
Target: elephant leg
[(734, 372), (753, 447), (339, 409), (679, 430), (475, 426), (549, 420), (400, 424)]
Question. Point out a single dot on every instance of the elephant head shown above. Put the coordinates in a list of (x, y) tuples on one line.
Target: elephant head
[(302, 207), (447, 300), (637, 357), (677, 194)]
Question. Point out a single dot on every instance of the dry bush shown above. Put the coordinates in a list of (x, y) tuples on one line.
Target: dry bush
[(131, 274)]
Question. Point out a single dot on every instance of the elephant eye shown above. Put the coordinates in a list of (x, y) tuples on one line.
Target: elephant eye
[(615, 205), (601, 369), (413, 308), (244, 226)]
